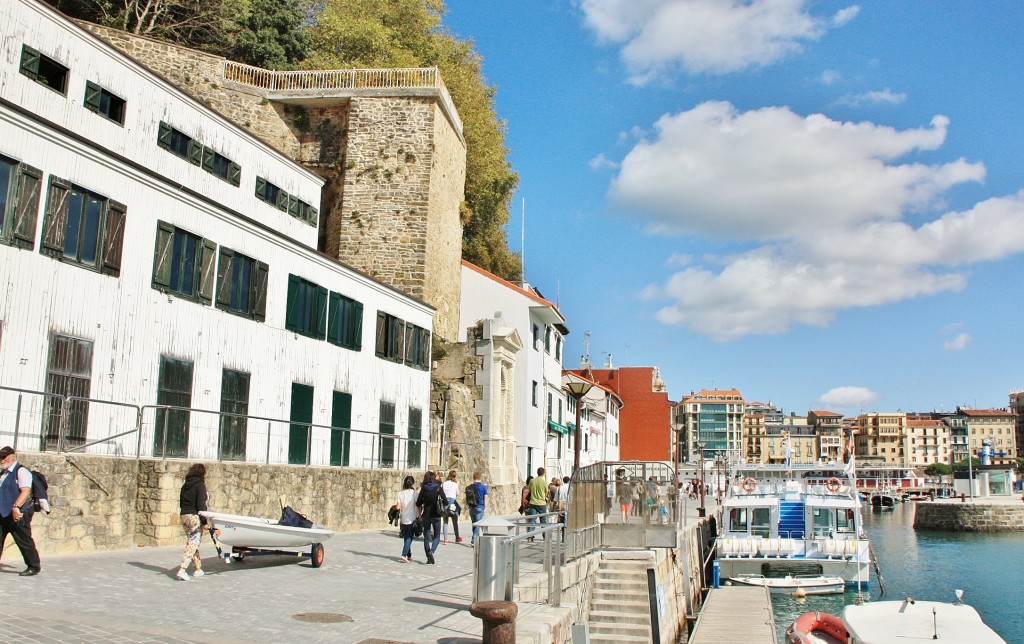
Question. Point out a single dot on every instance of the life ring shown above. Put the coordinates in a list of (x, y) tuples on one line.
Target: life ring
[(749, 484), (833, 485)]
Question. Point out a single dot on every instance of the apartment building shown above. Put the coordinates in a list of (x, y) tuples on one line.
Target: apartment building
[(974, 426), (713, 421), (882, 436), (828, 427), (645, 419), (928, 441)]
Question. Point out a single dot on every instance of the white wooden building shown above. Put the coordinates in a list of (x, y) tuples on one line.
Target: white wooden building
[(153, 253), (535, 404)]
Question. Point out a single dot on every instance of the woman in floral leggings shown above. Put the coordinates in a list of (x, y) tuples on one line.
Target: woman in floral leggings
[(193, 501)]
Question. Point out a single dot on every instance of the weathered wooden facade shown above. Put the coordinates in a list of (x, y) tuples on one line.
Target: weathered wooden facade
[(155, 253)]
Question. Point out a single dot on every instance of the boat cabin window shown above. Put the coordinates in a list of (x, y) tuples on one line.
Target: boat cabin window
[(758, 520), (844, 521), (822, 521)]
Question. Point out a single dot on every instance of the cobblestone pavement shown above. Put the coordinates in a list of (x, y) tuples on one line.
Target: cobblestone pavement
[(133, 596)]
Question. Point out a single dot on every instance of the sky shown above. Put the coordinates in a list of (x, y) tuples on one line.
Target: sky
[(820, 204)]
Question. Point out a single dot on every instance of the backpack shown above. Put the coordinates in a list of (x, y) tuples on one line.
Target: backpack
[(40, 496), (472, 500), (293, 519), (442, 503)]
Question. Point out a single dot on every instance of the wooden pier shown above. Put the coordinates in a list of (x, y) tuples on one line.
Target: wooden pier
[(735, 614)]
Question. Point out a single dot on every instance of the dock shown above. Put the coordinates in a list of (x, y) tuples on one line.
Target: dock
[(735, 614)]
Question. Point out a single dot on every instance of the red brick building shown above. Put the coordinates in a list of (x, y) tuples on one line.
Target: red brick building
[(645, 422)]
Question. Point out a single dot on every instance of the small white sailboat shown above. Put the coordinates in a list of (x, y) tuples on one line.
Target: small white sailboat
[(816, 585)]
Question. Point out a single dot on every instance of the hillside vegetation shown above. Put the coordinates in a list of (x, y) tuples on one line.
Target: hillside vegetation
[(331, 34)]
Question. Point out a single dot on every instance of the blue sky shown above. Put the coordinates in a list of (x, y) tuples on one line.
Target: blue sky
[(817, 203)]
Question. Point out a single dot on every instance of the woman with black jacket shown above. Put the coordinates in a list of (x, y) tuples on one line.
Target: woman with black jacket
[(192, 501), (428, 504)]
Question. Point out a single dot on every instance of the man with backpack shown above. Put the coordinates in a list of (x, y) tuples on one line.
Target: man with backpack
[(16, 509), (476, 499)]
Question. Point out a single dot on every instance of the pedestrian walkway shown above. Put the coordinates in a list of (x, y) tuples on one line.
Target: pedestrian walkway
[(361, 594)]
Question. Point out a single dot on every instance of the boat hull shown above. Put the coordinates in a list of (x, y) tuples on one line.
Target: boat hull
[(242, 531), (815, 627), (796, 585)]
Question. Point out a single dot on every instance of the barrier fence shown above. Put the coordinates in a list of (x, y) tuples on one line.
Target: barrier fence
[(48, 422)]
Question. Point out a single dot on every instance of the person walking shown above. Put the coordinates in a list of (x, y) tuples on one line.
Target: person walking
[(192, 501), (524, 496), (553, 493), (538, 496), (476, 511), (16, 510), (624, 494), (431, 496), (407, 516), (451, 491)]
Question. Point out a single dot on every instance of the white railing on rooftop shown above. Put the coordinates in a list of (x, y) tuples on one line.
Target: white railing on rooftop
[(343, 79)]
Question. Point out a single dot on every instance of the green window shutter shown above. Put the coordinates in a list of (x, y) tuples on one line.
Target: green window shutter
[(282, 200), (208, 159), (381, 348), (294, 207), (195, 152), (291, 316), (163, 136), (334, 318), (206, 272), (27, 186), (260, 288), (55, 221), (320, 329), (312, 213), (234, 174), (162, 254), (224, 275), (354, 326), (113, 238), (261, 188), (29, 61), (92, 96)]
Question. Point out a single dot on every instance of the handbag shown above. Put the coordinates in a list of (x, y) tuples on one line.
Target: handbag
[(417, 527), (441, 508)]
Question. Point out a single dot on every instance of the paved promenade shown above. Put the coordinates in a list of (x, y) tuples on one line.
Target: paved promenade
[(133, 596)]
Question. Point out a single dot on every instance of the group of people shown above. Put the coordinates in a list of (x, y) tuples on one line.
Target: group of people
[(634, 496), (433, 503)]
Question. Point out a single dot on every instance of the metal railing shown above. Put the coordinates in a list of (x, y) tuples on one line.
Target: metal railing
[(552, 558), (37, 420)]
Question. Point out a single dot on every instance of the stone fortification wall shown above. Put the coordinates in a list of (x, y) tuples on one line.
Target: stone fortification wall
[(107, 503), (968, 517)]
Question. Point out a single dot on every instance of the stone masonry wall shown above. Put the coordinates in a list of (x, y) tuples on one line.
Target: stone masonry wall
[(968, 517)]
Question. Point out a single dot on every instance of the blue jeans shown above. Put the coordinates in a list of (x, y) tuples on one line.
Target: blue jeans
[(476, 513), (536, 509), (431, 535), (406, 530)]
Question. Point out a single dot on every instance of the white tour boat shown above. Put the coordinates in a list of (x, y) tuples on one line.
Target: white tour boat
[(798, 521)]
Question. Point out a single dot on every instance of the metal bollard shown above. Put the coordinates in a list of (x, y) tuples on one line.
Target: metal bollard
[(499, 619)]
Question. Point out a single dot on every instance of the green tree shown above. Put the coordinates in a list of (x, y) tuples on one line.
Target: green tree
[(938, 469), (270, 34), (409, 33)]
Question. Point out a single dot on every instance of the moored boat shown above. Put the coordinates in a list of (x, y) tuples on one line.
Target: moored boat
[(817, 585), (817, 628), (798, 521)]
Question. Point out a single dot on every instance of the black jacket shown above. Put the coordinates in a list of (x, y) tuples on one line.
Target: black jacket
[(427, 500), (193, 495)]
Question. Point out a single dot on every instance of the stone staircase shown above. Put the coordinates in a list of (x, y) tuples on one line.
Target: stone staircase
[(620, 610)]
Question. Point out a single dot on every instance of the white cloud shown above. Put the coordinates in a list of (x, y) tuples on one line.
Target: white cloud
[(847, 397), (705, 36), (873, 98), (959, 343), (825, 205), (829, 76), (601, 162)]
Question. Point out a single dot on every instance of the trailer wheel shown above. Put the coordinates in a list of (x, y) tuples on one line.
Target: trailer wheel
[(316, 554)]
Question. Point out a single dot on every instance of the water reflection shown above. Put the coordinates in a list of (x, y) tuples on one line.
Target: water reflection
[(929, 565)]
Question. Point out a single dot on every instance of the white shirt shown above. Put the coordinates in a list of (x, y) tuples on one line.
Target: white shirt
[(407, 502), (563, 493), (451, 491), (24, 476)]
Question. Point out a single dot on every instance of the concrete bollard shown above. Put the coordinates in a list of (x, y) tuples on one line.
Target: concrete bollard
[(499, 619)]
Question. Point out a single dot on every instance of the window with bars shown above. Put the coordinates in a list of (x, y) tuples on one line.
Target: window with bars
[(415, 455), (242, 285), (20, 185), (82, 227), (69, 372), (183, 263), (174, 388), (386, 428), (44, 70), (234, 399), (104, 102)]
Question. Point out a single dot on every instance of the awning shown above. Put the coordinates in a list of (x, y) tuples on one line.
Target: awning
[(555, 427)]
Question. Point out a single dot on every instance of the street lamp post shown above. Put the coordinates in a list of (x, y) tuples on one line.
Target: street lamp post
[(578, 389), (700, 456)]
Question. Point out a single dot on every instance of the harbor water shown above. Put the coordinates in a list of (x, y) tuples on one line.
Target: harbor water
[(928, 565)]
